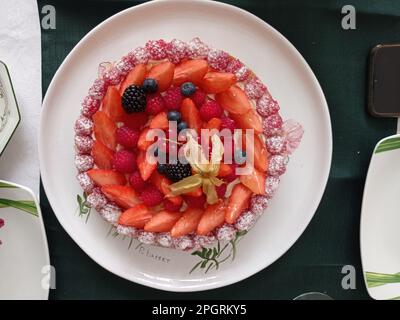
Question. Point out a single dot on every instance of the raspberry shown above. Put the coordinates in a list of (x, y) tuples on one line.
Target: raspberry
[(218, 59), (197, 49), (151, 196), (139, 55), (176, 50), (199, 97), (170, 206), (156, 49), (267, 106), (127, 137), (124, 161), (136, 181), (90, 106), (272, 124), (236, 67), (254, 88), (98, 89), (228, 123), (112, 76), (173, 98), (210, 109), (221, 190), (196, 202), (155, 104)]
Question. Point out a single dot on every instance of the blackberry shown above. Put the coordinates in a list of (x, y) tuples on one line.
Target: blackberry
[(134, 99), (178, 171)]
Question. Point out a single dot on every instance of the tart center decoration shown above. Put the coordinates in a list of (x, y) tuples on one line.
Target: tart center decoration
[(205, 171), (142, 160)]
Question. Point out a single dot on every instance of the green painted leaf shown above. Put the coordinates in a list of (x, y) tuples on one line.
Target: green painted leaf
[(23, 205), (195, 266), (379, 279), (6, 185), (389, 144)]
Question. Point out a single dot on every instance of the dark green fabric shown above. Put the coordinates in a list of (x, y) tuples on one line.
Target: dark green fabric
[(339, 60)]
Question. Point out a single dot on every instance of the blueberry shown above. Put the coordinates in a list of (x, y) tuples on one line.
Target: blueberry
[(174, 116), (150, 85), (156, 152), (182, 125), (161, 168), (187, 89), (240, 156)]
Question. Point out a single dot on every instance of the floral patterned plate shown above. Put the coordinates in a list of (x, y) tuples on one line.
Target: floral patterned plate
[(9, 112), (290, 81), (24, 256), (380, 222)]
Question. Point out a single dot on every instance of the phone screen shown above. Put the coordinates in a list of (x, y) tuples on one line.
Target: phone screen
[(384, 82)]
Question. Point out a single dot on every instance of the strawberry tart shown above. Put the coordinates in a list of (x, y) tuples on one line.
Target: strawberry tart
[(143, 161)]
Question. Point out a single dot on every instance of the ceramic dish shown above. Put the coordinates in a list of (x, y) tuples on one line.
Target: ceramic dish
[(24, 255), (380, 220), (290, 81)]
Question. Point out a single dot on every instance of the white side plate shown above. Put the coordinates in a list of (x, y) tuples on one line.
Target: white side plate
[(380, 221), (24, 255), (275, 61)]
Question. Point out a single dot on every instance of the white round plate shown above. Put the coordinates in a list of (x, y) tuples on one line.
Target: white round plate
[(275, 61)]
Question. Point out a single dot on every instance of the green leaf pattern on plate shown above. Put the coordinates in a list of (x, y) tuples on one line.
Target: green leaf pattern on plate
[(28, 206), (212, 258), (388, 145)]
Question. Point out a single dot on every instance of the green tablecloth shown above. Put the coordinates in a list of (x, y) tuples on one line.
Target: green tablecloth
[(339, 60)]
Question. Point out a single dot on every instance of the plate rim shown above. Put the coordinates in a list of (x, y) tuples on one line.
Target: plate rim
[(326, 167)]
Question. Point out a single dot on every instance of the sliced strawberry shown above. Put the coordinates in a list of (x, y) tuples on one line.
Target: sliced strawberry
[(163, 73), (213, 217), (112, 104), (255, 181), (144, 142), (122, 195), (258, 152), (105, 129), (216, 82), (162, 183), (187, 223), (162, 221), (238, 201), (102, 155), (213, 123), (191, 114), (160, 121), (135, 120), (250, 120), (136, 216), (224, 170), (195, 193), (190, 70), (136, 77), (234, 100), (146, 168), (106, 177)]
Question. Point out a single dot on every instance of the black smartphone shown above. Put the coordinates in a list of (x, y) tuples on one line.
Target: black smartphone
[(384, 81)]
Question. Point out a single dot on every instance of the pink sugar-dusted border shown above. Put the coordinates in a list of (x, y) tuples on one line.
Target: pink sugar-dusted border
[(281, 138)]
